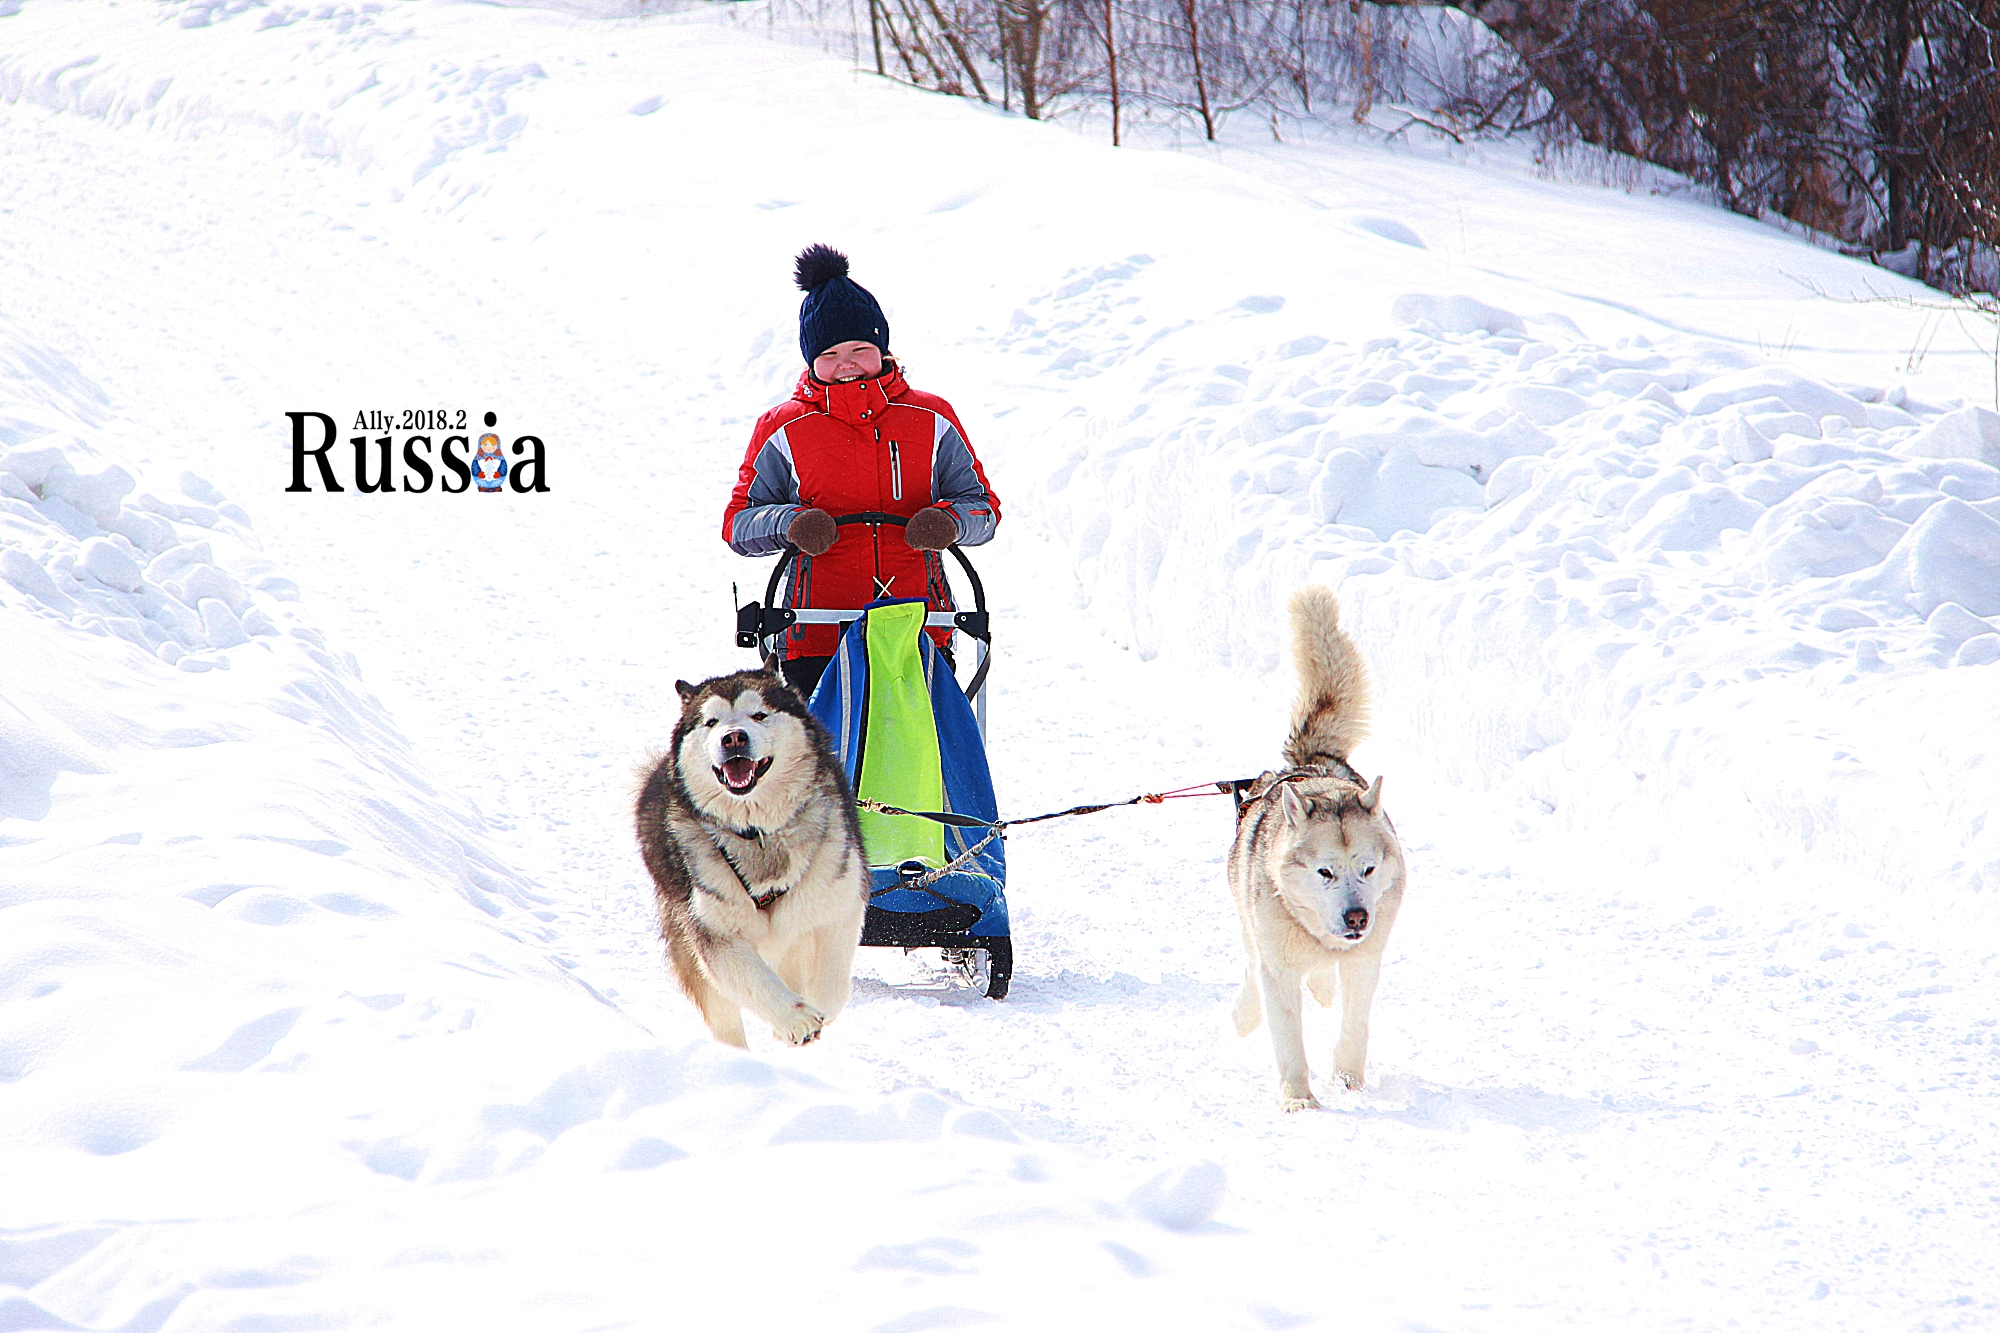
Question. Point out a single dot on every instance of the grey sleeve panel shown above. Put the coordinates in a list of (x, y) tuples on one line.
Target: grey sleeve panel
[(759, 528), (955, 484)]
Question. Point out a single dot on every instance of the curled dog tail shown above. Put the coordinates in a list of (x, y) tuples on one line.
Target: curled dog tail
[(1331, 715)]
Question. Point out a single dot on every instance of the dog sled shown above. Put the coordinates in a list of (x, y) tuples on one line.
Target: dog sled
[(910, 738)]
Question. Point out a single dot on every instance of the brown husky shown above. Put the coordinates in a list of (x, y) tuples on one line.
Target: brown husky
[(749, 831)]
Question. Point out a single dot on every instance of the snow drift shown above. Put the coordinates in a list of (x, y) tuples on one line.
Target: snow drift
[(1676, 592)]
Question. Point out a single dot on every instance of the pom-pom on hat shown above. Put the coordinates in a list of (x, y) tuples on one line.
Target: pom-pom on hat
[(837, 309)]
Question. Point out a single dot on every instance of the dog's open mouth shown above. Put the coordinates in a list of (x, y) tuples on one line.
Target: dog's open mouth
[(740, 775)]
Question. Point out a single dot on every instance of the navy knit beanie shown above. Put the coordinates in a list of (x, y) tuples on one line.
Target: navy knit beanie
[(837, 309)]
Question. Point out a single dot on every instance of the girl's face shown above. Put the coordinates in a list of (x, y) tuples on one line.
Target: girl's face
[(489, 445), (847, 361)]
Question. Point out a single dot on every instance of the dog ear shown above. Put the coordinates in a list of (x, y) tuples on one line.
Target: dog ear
[(687, 691), (1288, 802), (772, 667), (1371, 799)]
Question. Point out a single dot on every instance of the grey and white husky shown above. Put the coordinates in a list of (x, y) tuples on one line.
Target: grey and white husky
[(749, 830), (1316, 870)]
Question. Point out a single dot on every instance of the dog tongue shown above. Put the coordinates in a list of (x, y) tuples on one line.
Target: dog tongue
[(739, 773)]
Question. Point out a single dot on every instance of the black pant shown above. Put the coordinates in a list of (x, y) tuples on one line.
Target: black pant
[(803, 673)]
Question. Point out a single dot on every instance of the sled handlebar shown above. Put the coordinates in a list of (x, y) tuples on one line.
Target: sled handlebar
[(755, 623)]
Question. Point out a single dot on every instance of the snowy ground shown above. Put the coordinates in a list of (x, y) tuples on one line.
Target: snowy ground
[(327, 992)]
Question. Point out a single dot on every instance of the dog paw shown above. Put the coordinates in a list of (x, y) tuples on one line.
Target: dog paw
[(1287, 1102), (803, 1026)]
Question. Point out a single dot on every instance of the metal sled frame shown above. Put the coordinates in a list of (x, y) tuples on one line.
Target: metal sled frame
[(761, 625)]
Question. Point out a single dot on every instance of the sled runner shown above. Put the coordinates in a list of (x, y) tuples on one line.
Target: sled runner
[(909, 737)]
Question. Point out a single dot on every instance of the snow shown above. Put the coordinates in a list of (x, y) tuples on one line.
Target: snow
[(332, 1002)]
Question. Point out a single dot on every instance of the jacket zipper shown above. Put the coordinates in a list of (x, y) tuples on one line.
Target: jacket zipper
[(895, 494)]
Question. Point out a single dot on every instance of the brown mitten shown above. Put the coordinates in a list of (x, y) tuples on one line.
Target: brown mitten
[(812, 531), (931, 529)]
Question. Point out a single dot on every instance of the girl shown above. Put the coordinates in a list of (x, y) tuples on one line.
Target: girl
[(854, 437)]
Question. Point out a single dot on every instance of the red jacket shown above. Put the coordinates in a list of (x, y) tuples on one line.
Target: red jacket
[(874, 444)]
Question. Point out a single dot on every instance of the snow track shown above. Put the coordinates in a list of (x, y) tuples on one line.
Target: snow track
[(327, 1003)]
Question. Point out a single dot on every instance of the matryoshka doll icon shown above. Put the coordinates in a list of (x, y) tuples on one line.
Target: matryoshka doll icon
[(489, 469)]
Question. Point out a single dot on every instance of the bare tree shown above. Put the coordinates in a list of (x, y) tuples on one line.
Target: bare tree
[(1191, 11), (1111, 64), (1874, 122), (1866, 120)]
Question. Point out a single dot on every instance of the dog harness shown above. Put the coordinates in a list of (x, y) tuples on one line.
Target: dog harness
[(766, 898), (1248, 791)]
